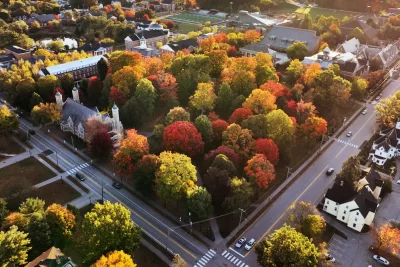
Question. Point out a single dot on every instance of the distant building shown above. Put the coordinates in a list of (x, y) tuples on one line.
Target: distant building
[(349, 64), (18, 52), (53, 257), (97, 48), (79, 69), (173, 47), (75, 115), (153, 34), (43, 19), (144, 50), (387, 146), (370, 33), (356, 209)]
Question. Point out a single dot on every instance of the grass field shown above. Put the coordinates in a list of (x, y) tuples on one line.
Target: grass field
[(23, 175), (187, 27), (8, 146), (193, 18), (315, 11)]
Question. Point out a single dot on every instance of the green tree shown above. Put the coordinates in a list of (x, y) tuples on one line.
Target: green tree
[(294, 71), (242, 193), (145, 96), (8, 120), (287, 247), (257, 124), (3, 210), (204, 126), (306, 219), (14, 247), (102, 68), (222, 162), (359, 34), (387, 110), (97, 239), (225, 99), (177, 114), (199, 203), (297, 50), (176, 177), (35, 100), (351, 171), (265, 74), (144, 174), (359, 88), (67, 84), (23, 91), (46, 86), (39, 234), (131, 114), (306, 22), (280, 128), (204, 98)]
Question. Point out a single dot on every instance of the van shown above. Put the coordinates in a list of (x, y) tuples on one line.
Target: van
[(80, 176)]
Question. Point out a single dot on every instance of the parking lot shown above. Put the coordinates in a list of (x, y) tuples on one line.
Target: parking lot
[(342, 250)]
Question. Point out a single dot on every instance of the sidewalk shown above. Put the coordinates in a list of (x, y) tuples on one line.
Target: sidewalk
[(19, 157)]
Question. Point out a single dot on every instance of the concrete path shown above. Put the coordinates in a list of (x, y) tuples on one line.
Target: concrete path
[(84, 200), (18, 157)]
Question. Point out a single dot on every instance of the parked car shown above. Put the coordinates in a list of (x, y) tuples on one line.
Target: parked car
[(240, 243), (380, 259), (378, 97), (32, 132), (349, 134), (330, 171), (398, 182), (329, 257), (364, 112), (80, 176), (117, 185), (250, 244)]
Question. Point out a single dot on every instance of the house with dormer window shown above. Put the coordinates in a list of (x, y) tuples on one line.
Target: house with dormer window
[(387, 146), (356, 207)]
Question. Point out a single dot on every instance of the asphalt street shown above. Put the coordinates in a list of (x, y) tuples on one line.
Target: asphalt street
[(313, 183)]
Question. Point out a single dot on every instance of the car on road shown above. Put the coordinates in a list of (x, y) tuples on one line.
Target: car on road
[(250, 244), (117, 185), (329, 257), (330, 171), (378, 97), (364, 112), (80, 176), (32, 132), (380, 259), (240, 243), (398, 182), (349, 134)]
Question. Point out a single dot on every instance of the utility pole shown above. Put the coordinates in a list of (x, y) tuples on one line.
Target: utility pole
[(102, 192), (166, 243), (241, 214)]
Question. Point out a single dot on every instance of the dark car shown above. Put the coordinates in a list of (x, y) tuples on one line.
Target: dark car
[(80, 176), (32, 132), (117, 185), (330, 171)]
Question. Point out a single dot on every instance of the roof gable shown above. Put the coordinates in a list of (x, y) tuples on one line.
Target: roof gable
[(340, 193)]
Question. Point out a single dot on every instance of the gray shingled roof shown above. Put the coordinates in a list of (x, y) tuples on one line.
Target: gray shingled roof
[(257, 47), (78, 112)]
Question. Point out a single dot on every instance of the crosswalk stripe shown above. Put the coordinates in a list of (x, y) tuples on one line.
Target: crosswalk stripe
[(233, 259), (207, 257), (209, 254), (196, 265), (230, 257), (74, 170), (223, 253), (239, 262), (200, 264), (242, 264), (86, 165), (247, 265), (203, 261), (212, 251), (79, 167)]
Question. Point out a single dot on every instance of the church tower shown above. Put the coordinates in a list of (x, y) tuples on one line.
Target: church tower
[(115, 117), (59, 100), (75, 94)]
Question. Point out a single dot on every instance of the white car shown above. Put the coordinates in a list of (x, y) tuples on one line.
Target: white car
[(329, 257), (364, 112), (240, 243), (250, 244), (398, 182), (349, 134), (380, 259)]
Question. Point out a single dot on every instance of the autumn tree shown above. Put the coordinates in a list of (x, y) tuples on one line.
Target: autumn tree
[(287, 247), (45, 113), (144, 175), (251, 36), (176, 177), (199, 203), (264, 74), (153, 65), (117, 96), (260, 171), (239, 115), (358, 88), (387, 238), (204, 97), (115, 258), (94, 90), (217, 182), (388, 110), (208, 44), (306, 219), (275, 88), (222, 162), (92, 126), (240, 140), (61, 222), (204, 126), (268, 148), (225, 99), (97, 238), (177, 114), (131, 149), (218, 127), (294, 71), (3, 210), (183, 137), (14, 247), (374, 78), (313, 129), (101, 145), (257, 125), (260, 102), (305, 110), (351, 171), (127, 78), (8, 120), (280, 128), (67, 84), (46, 85), (312, 73), (102, 68), (297, 50), (145, 96), (119, 60), (177, 261), (168, 89), (219, 60), (241, 194)]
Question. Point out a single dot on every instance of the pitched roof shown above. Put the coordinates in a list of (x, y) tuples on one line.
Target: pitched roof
[(366, 201), (17, 49), (340, 194), (177, 46), (349, 26), (6, 58), (374, 179), (281, 36), (88, 47), (49, 258), (256, 47), (78, 112), (147, 35), (73, 65), (44, 18)]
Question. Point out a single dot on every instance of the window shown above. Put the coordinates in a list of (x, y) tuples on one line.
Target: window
[(335, 208), (344, 212), (343, 218), (325, 207), (327, 202), (347, 207), (355, 219), (354, 225), (357, 213)]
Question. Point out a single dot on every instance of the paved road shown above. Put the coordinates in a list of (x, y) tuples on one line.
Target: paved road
[(312, 184)]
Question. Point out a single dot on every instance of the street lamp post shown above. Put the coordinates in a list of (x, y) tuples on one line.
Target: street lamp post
[(231, 7), (102, 192), (57, 157), (72, 139), (241, 214)]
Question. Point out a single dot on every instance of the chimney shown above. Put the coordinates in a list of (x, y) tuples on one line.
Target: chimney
[(341, 183)]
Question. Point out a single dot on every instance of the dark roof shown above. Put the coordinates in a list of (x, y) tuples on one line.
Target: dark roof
[(156, 3), (49, 258), (95, 13), (349, 26), (78, 112), (347, 66), (17, 49), (177, 46), (256, 47), (389, 139), (374, 179), (167, 2), (45, 18), (366, 201), (340, 194), (88, 47), (147, 35), (6, 58)]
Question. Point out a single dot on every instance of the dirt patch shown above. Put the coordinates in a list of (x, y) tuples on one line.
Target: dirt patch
[(22, 175), (9, 146), (144, 257), (52, 164), (57, 192)]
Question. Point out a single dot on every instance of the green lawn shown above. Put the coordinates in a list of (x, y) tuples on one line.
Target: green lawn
[(9, 146), (187, 27), (193, 18), (316, 11)]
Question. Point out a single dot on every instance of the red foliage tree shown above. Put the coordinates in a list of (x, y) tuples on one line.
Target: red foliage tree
[(146, 17), (168, 88), (373, 78), (101, 145), (219, 126), (268, 148), (294, 122), (279, 76), (239, 115), (183, 137), (260, 171), (117, 96), (212, 116), (314, 127), (224, 150), (170, 24), (131, 149), (232, 51), (292, 105), (275, 88)]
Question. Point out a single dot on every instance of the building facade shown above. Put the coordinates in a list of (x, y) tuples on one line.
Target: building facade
[(387, 146), (153, 34)]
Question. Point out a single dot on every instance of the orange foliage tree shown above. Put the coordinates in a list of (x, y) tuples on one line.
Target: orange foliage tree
[(126, 58), (251, 36), (260, 102), (260, 171), (219, 59), (314, 128), (275, 88), (115, 258), (153, 65), (221, 37), (240, 140), (387, 238), (126, 79), (311, 73), (208, 44), (131, 149), (239, 115)]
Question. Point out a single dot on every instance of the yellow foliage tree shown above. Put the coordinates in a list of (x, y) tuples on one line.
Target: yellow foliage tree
[(260, 102), (311, 73), (204, 98), (115, 259)]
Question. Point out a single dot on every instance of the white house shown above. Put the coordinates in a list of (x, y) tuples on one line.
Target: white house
[(75, 115), (387, 146), (355, 208)]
